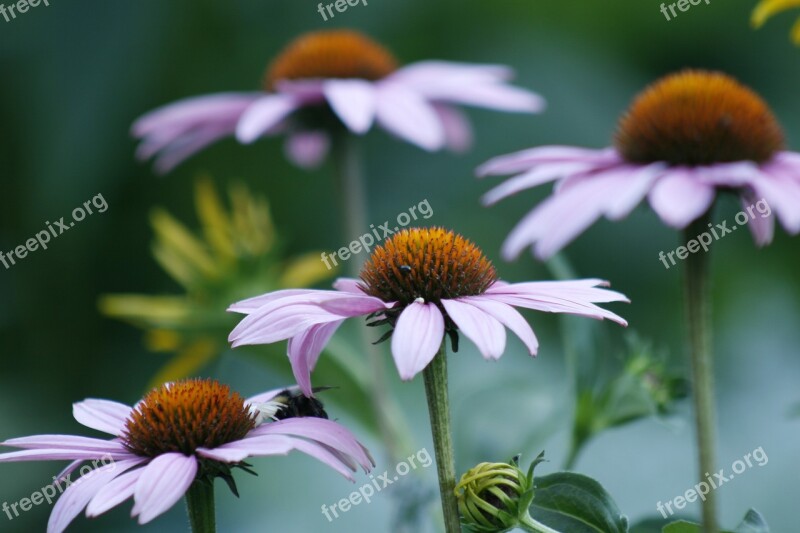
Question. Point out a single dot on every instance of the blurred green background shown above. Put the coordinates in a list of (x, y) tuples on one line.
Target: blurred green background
[(76, 75)]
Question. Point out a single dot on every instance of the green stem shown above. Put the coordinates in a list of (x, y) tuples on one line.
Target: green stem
[(698, 316), (200, 506), (352, 192), (529, 524), (435, 375)]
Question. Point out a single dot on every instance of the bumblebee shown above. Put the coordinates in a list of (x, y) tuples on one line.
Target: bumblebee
[(294, 404)]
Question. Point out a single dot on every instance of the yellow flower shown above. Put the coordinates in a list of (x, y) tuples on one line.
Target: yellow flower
[(235, 254), (767, 8)]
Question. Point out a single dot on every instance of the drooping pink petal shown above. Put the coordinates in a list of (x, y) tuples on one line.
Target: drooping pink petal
[(66, 442), (559, 219), (579, 289), (349, 285), (539, 175), (191, 143), (497, 96), (60, 454), (320, 430), (258, 446), (509, 317), (114, 493), (102, 415), (409, 116), (457, 129), (429, 75), (762, 228), (778, 184), (304, 351), (416, 338), (307, 149), (679, 197), (481, 328), (353, 101), (253, 304), (263, 115), (163, 482), (80, 492), (194, 111), (526, 160), (551, 298), (324, 455)]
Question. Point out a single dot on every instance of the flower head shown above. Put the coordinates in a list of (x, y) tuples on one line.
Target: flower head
[(324, 82), (683, 139), (236, 250), (766, 9), (180, 433), (422, 283)]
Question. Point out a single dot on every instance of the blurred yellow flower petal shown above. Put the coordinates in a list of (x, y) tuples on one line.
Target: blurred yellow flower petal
[(187, 252), (305, 271), (142, 308), (187, 363), (768, 8), (252, 221), (796, 32), (162, 340), (217, 226)]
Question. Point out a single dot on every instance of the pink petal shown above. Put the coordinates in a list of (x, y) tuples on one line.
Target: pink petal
[(409, 116), (762, 228), (258, 446), (102, 415), (559, 219), (539, 175), (319, 430), (349, 285), (253, 304), (509, 317), (197, 111), (164, 481), (307, 149), (485, 331), (526, 160), (60, 454), (263, 115), (114, 493), (430, 75), (679, 197), (778, 184), (324, 455), (353, 101), (457, 130), (495, 96), (189, 144), (81, 491), (67, 442), (417, 338), (305, 349)]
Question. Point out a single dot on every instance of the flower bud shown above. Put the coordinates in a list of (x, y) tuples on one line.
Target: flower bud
[(489, 496)]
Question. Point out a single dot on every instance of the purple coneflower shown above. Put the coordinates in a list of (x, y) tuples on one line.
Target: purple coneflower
[(424, 283), (174, 442), (684, 139), (327, 79)]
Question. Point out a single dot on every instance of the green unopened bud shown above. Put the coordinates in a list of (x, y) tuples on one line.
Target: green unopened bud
[(489, 496)]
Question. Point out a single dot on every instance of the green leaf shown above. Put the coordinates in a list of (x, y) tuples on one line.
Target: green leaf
[(753, 523), (572, 502), (682, 526)]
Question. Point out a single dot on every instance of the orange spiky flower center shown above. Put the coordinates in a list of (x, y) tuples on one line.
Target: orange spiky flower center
[(186, 415), (331, 54), (696, 117), (428, 263)]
